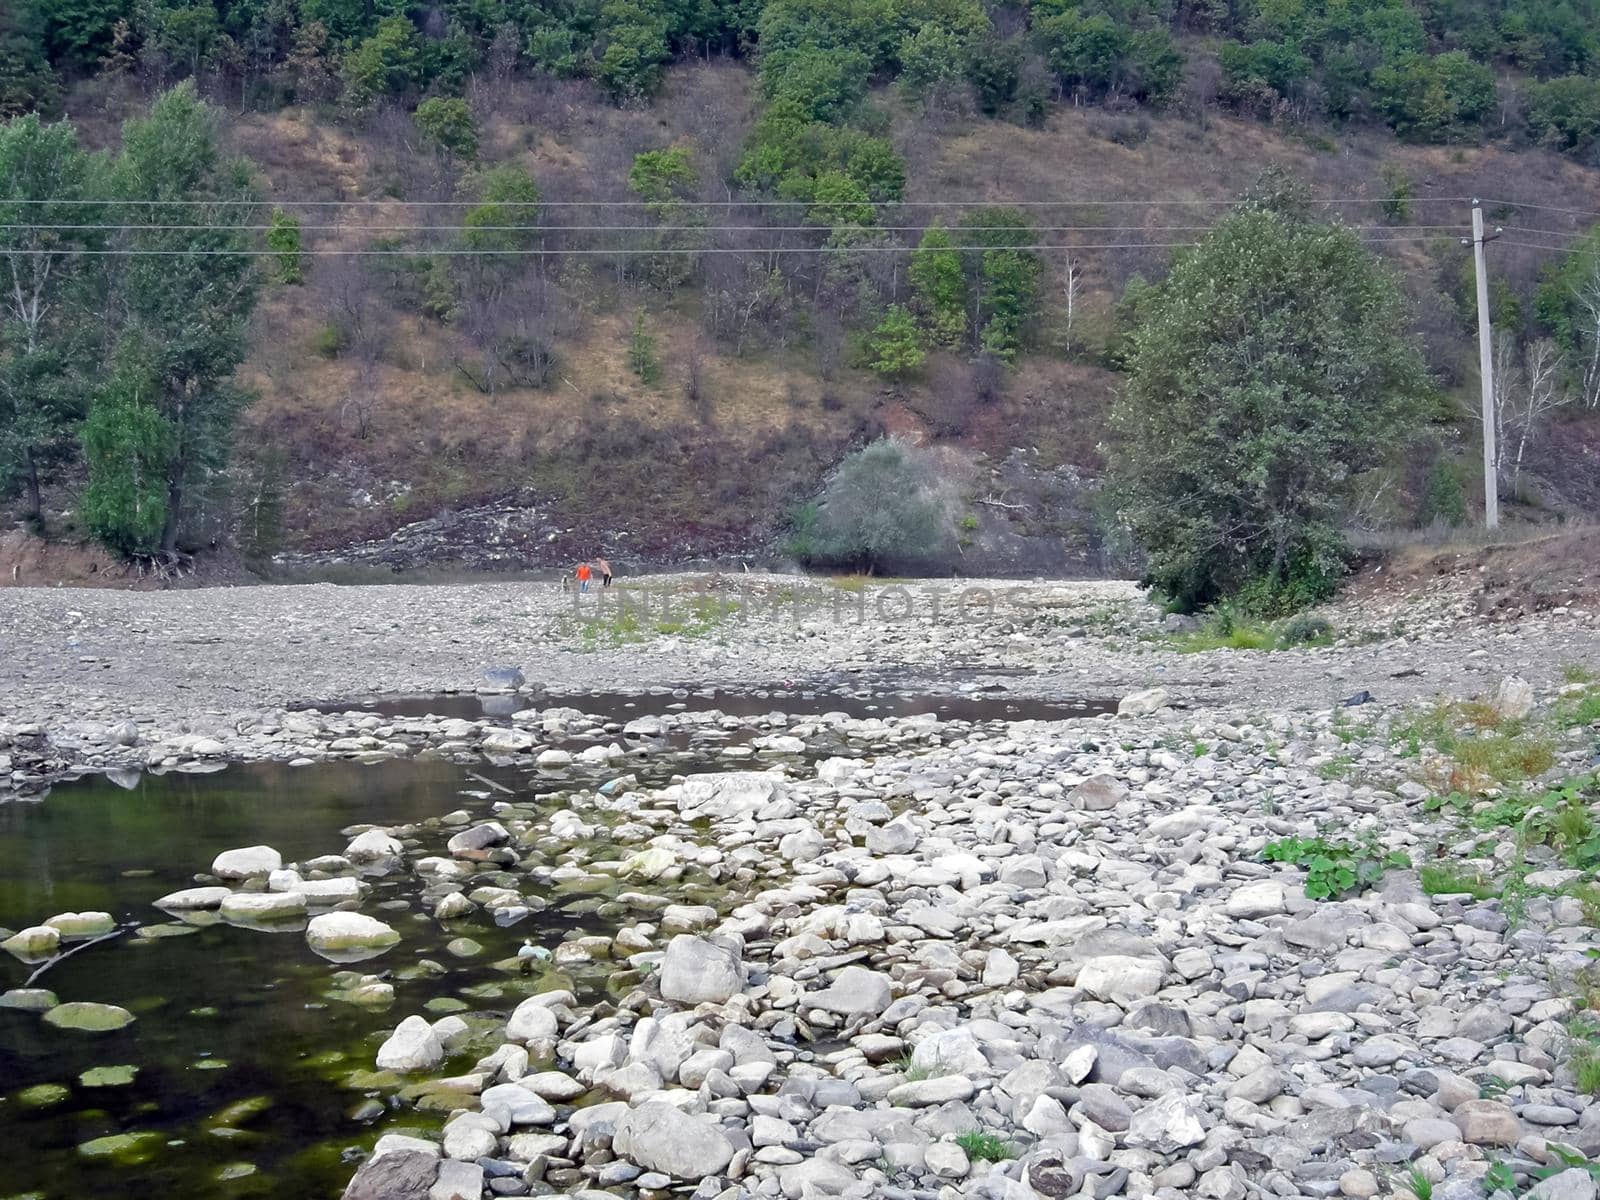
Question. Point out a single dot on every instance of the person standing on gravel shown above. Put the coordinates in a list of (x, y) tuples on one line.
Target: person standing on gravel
[(583, 574), (605, 572)]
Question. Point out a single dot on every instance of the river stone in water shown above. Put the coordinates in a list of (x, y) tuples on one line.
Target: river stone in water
[(500, 679), (36, 941), (246, 862), (194, 898), (88, 1017), (82, 925), (413, 1046), (338, 933), (695, 970), (119, 1076), (29, 999), (659, 1137), (373, 845), (263, 906), (399, 1175), (129, 1149), (42, 1095)]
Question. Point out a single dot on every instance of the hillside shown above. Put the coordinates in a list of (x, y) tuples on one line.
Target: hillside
[(508, 421)]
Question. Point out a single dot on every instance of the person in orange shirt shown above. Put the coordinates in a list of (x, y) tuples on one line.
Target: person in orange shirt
[(583, 577)]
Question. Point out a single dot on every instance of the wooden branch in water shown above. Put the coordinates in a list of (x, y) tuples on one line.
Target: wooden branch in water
[(484, 779), (66, 954)]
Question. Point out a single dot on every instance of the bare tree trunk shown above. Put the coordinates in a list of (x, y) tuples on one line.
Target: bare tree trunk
[(35, 508)]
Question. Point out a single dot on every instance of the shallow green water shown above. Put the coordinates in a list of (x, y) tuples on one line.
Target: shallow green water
[(225, 1015)]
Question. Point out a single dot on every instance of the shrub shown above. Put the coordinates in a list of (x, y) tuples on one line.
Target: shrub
[(329, 340), (885, 503)]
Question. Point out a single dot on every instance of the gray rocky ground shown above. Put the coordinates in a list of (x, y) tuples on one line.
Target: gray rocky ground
[(1005, 960), (216, 663)]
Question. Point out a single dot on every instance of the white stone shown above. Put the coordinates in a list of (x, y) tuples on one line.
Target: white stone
[(348, 931), (411, 1047), (246, 862)]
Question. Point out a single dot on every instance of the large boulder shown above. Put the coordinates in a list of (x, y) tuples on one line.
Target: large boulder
[(36, 941), (1513, 699), (82, 924), (729, 794), (397, 1175), (413, 1046), (479, 837), (263, 906), (338, 931), (246, 862), (500, 679), (659, 1137), (186, 899), (1098, 793), (695, 970), (373, 845), (1120, 978), (857, 992), (1143, 703)]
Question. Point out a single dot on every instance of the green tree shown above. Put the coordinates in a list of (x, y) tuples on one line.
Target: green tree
[(447, 122), (78, 33), (661, 177), (1004, 278), (939, 287), (932, 58), (1265, 370), (1565, 113), (389, 63), (127, 445), (1434, 98), (642, 358), (634, 40), (816, 84), (283, 239), (896, 345), (26, 82), (509, 197), (1568, 305), (183, 298), (48, 308), (349, 20)]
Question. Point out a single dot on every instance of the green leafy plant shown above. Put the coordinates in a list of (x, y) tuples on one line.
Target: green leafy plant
[(1336, 867)]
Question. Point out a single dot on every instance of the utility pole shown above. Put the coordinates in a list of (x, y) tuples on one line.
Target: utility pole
[(1491, 482)]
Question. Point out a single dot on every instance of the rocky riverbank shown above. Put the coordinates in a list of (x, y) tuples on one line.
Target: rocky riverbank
[(1304, 923), (1038, 960)]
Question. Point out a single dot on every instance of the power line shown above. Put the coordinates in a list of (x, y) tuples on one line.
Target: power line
[(646, 250), (762, 203), (1575, 212), (812, 228)]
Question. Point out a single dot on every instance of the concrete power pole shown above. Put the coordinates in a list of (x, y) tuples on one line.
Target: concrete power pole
[(1491, 482)]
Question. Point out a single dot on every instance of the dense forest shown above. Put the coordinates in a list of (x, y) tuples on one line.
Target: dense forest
[(283, 253)]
